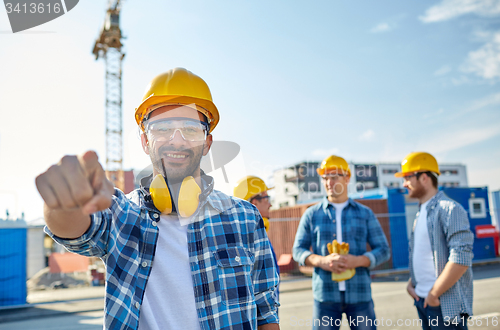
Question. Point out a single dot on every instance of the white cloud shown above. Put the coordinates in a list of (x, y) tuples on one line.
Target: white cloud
[(325, 152), (382, 27), (485, 62), (433, 114), (493, 99), (460, 80), (445, 69), (477, 105), (449, 9), (367, 135), (448, 141)]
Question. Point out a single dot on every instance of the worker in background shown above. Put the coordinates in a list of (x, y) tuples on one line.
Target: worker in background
[(254, 190), (340, 218), (440, 248), (178, 254)]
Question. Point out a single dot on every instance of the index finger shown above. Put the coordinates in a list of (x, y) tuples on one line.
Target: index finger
[(90, 164)]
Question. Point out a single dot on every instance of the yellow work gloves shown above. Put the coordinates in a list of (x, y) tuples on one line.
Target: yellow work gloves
[(342, 249)]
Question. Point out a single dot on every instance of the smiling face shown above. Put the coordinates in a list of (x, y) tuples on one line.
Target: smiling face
[(335, 184), (180, 156)]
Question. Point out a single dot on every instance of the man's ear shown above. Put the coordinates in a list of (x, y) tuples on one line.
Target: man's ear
[(207, 145), (427, 179), (144, 142)]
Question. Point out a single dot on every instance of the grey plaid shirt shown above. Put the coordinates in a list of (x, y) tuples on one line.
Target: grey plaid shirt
[(451, 240)]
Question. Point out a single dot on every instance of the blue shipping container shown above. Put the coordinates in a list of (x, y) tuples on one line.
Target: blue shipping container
[(12, 266), (397, 225), (475, 202)]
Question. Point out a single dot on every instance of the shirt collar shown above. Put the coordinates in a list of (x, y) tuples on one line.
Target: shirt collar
[(326, 203), (434, 200)]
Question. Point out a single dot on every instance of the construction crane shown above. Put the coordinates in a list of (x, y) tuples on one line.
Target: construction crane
[(109, 46)]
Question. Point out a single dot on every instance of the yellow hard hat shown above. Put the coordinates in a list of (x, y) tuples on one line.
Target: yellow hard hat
[(333, 163), (249, 186), (178, 86), (418, 162)]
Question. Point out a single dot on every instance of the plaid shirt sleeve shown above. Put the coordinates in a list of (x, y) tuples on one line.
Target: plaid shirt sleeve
[(94, 242), (302, 244), (265, 278), (460, 239), (378, 242)]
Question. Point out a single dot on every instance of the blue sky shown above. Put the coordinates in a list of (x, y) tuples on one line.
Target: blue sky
[(293, 80)]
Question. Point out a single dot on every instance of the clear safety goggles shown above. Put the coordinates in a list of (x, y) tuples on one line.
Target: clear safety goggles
[(334, 176), (164, 129)]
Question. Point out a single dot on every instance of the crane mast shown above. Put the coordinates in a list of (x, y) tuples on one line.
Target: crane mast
[(109, 46)]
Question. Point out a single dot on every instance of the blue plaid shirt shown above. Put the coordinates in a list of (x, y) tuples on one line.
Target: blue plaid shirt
[(451, 240), (359, 226), (232, 266)]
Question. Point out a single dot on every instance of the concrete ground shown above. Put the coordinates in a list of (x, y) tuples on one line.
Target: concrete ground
[(392, 303)]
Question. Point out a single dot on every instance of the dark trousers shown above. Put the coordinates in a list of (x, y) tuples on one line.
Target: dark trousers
[(328, 315), (432, 318)]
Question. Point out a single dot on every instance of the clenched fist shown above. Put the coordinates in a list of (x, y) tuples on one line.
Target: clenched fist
[(72, 189)]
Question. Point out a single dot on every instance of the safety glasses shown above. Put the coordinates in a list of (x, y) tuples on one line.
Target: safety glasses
[(408, 177), (332, 176), (261, 197), (418, 174), (164, 129)]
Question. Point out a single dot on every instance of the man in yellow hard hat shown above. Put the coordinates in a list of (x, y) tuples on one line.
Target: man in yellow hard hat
[(441, 242), (178, 254), (340, 218), (254, 190)]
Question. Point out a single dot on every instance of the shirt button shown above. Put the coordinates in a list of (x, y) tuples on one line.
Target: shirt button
[(237, 258), (334, 235), (137, 305), (202, 304), (155, 215), (144, 264), (154, 224), (333, 221)]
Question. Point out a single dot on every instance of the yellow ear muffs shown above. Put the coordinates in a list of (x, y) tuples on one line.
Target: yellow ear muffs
[(189, 197), (187, 202), (266, 223), (160, 194)]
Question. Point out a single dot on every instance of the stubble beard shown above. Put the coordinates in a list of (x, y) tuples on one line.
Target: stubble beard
[(175, 173), (417, 191)]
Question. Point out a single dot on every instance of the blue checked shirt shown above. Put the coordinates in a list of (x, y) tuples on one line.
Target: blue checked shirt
[(451, 240), (232, 266), (317, 228)]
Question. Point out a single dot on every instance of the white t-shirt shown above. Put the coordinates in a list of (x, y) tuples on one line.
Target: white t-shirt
[(423, 262), (169, 297), (339, 207)]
